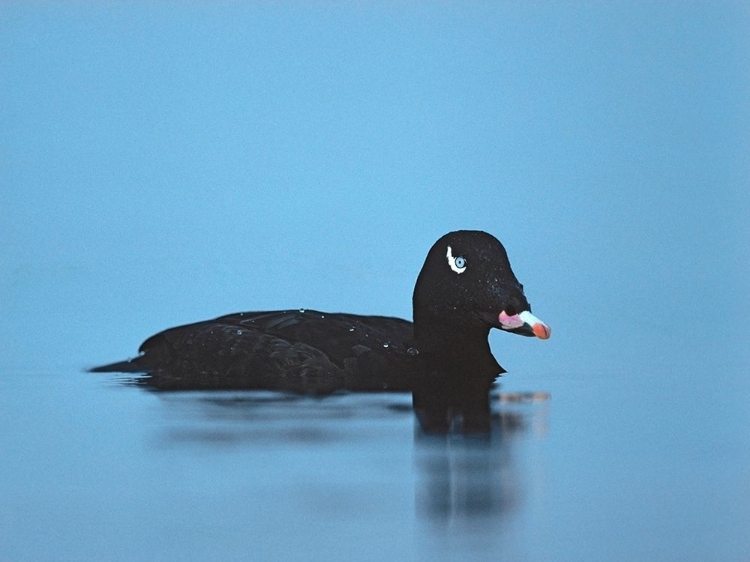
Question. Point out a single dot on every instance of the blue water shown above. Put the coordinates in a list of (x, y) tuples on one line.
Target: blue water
[(599, 470), (166, 164)]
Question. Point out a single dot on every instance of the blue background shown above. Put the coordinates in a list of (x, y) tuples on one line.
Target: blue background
[(162, 164)]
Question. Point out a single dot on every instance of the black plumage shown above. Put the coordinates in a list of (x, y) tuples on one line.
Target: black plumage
[(465, 288)]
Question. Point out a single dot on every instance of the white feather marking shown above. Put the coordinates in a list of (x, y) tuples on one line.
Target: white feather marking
[(452, 262)]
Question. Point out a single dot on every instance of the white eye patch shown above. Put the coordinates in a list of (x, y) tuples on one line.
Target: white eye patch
[(457, 264)]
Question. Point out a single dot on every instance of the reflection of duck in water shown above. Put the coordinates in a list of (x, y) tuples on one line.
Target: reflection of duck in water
[(474, 478), (465, 288)]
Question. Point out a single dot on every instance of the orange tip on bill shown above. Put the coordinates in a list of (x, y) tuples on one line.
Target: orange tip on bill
[(542, 331)]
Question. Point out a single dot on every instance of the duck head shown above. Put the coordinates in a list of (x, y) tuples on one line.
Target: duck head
[(466, 286)]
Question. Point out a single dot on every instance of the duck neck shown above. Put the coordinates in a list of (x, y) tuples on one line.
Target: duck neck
[(458, 371), (463, 350)]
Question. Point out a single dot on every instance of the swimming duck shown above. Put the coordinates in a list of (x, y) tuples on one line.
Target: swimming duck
[(465, 288)]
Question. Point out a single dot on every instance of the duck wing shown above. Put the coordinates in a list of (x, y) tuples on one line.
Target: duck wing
[(303, 351)]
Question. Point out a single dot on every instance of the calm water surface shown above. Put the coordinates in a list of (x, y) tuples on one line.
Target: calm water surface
[(602, 470), (163, 163)]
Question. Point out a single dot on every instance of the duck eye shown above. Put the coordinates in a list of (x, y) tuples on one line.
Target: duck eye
[(456, 264)]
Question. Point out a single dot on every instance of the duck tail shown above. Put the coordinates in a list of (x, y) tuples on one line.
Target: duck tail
[(129, 366)]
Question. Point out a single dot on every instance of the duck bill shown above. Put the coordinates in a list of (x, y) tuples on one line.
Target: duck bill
[(524, 324)]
